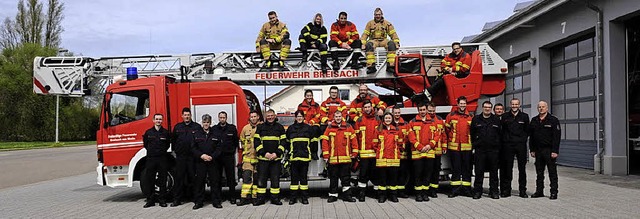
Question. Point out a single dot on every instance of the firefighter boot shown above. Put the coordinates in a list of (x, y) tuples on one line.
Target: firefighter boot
[(275, 200), (305, 197), (293, 198), (259, 200), (336, 65), (454, 191), (393, 196), (433, 193), (425, 196), (361, 192), (346, 196), (355, 62), (371, 69), (323, 67), (382, 196), (244, 201), (419, 197), (402, 194)]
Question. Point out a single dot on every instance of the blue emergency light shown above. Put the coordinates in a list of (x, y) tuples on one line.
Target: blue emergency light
[(132, 73)]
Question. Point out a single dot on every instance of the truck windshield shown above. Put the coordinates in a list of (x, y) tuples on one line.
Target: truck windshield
[(128, 106)]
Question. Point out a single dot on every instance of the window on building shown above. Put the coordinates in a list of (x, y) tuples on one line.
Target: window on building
[(344, 94)]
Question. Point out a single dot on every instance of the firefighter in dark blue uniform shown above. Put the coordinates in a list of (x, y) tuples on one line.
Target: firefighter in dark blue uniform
[(156, 141), (485, 139), (206, 149), (544, 141), (185, 171), (229, 144), (515, 127)]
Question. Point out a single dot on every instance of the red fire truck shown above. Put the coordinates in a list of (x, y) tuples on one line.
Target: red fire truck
[(210, 83)]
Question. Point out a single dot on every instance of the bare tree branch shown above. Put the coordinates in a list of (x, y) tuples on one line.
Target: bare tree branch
[(54, 24)]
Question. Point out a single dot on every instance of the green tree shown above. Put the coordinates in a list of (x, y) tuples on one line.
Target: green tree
[(25, 116), (32, 25)]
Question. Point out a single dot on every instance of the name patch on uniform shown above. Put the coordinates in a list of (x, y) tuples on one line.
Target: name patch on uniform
[(547, 126), (521, 122)]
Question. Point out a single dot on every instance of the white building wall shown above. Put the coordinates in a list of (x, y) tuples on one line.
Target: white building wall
[(288, 102)]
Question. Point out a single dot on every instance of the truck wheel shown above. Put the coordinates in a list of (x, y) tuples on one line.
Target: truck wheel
[(156, 189)]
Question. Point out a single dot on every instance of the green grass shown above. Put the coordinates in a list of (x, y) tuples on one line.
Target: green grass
[(8, 146)]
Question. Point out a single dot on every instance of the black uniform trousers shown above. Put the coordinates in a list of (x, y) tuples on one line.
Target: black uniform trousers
[(486, 160), (185, 174), (423, 169), (543, 159), (507, 154), (460, 166), (299, 173), (366, 174), (159, 166), (435, 174), (207, 170), (339, 171), (269, 170), (388, 178), (227, 163)]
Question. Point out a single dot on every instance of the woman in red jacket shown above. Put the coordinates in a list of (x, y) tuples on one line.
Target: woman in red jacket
[(388, 153)]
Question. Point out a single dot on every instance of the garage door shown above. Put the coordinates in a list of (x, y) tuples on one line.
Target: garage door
[(574, 100)]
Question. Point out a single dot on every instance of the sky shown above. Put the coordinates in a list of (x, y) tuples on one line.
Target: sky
[(99, 28)]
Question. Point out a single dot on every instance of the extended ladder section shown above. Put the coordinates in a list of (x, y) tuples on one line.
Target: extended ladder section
[(71, 76)]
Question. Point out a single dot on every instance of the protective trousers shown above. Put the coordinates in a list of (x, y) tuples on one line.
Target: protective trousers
[(342, 172), (366, 174), (388, 177), (284, 47), (435, 174), (269, 170), (320, 46), (390, 46), (249, 176), (299, 176), (460, 166), (422, 173)]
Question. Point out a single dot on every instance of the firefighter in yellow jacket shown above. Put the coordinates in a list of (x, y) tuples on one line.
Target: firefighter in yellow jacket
[(273, 35), (375, 35), (249, 160)]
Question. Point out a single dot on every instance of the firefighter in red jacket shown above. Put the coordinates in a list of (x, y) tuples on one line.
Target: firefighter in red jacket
[(405, 163), (311, 111), (440, 150), (344, 35), (314, 36), (338, 148), (367, 140), (273, 35), (457, 126), (424, 141), (388, 153), (330, 106), (458, 63), (375, 35), (355, 108)]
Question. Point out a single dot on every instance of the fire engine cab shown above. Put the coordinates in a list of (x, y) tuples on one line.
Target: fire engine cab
[(210, 83)]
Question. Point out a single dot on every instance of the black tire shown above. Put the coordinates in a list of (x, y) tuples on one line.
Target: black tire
[(145, 190)]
